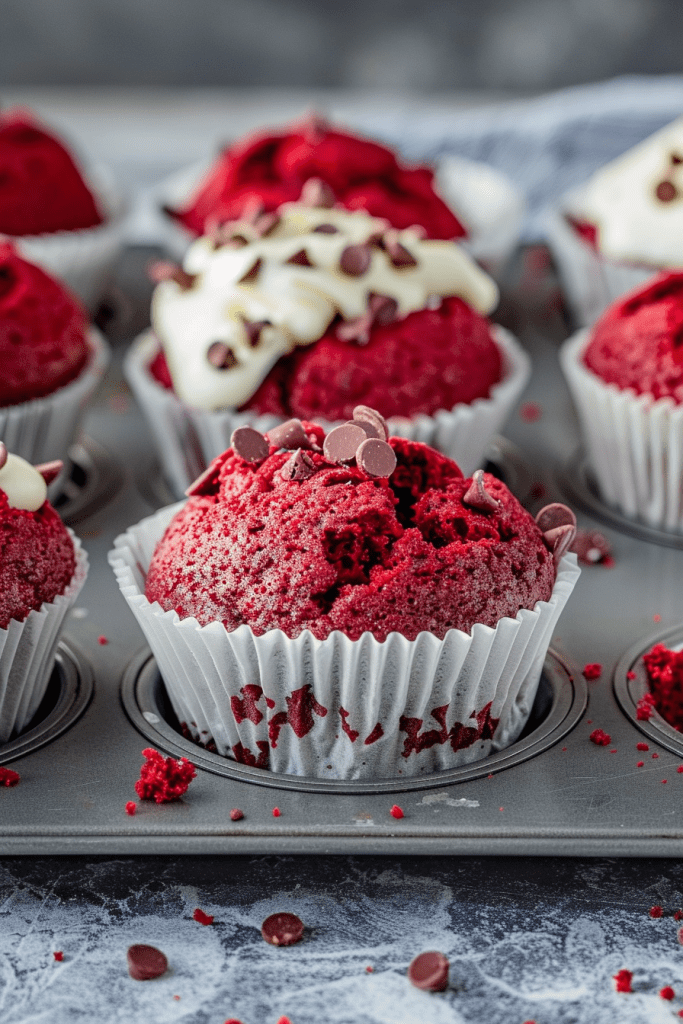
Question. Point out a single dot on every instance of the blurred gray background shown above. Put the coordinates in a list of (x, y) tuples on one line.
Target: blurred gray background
[(436, 45)]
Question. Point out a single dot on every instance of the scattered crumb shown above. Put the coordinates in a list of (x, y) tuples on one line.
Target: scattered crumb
[(236, 814), (645, 707), (614, 751), (201, 918), (102, 641), (8, 777), (131, 807), (284, 1020), (59, 956), (655, 756), (680, 769), (276, 812), (177, 998), (667, 992), (592, 670), (501, 808), (530, 412), (603, 739), (664, 781), (396, 811), (678, 915), (162, 779), (369, 970), (656, 911), (640, 764), (630, 675), (564, 748), (656, 618), (623, 979), (642, 746)]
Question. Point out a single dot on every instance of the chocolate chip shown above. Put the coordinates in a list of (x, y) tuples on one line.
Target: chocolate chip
[(282, 929), (355, 260), (50, 470), (370, 430), (365, 413), (326, 229), (376, 458), (476, 495), (3, 454), (299, 467), (253, 330), (146, 962), (342, 443), (383, 308), (429, 971), (265, 223), (290, 434), (252, 273), (207, 482), (666, 191), (300, 259), (676, 159), (164, 270), (557, 523), (592, 547), (249, 444), (221, 356), (397, 253), (357, 329), (318, 194), (234, 241)]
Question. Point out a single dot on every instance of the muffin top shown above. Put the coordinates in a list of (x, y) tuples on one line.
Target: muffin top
[(41, 189), (43, 342), (634, 204), (638, 341), (272, 168), (261, 287), (348, 531), (37, 559)]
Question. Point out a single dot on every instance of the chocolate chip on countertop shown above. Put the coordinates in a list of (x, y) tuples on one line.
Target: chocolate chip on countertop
[(342, 443), (249, 444), (221, 356), (282, 929), (375, 457), (355, 260), (429, 971), (146, 962)]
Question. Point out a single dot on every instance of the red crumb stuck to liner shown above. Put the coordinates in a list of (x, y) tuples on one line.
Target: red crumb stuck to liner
[(8, 777), (131, 807), (623, 979), (656, 911), (396, 812), (667, 992), (592, 670), (601, 738), (59, 956), (163, 779), (201, 918)]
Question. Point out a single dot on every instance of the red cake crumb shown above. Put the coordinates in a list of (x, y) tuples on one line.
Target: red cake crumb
[(284, 1020), (530, 412), (656, 618), (8, 777), (396, 811), (664, 781), (655, 756), (43, 343), (656, 911), (131, 807), (667, 992), (369, 970), (163, 779), (59, 955), (592, 671), (271, 168), (630, 675), (501, 808), (640, 764), (615, 751), (623, 979), (102, 640), (236, 814), (233, 1020), (41, 189), (276, 812), (600, 737), (201, 918), (680, 769), (645, 707), (642, 746)]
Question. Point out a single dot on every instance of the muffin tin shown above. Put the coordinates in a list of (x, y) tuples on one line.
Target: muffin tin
[(553, 792)]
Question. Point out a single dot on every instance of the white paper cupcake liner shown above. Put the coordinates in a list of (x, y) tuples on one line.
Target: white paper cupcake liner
[(340, 708), (84, 259), (27, 653), (188, 439), (487, 201), (591, 282), (44, 428), (634, 443)]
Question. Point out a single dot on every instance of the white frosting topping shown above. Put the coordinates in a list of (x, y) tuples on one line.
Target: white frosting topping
[(635, 224), (23, 484), (298, 302)]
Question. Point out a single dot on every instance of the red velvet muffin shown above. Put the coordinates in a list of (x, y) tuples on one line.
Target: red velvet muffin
[(268, 169)]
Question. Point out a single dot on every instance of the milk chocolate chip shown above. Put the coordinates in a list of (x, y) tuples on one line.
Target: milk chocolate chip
[(317, 193), (342, 443), (557, 523), (368, 415), (252, 273), (429, 971), (290, 434), (299, 467), (355, 260), (146, 962), (221, 356), (376, 458), (50, 470), (282, 929), (300, 259), (253, 330), (666, 191), (476, 495), (249, 444)]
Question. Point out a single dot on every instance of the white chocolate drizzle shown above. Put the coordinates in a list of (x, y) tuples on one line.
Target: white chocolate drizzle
[(23, 484), (252, 283)]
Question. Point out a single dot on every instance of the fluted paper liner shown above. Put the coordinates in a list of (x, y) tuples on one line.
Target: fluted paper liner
[(340, 708), (83, 259), (27, 653), (634, 442), (188, 439), (591, 281), (43, 429)]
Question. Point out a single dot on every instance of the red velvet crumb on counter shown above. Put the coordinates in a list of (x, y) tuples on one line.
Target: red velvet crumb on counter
[(630, 675), (162, 779), (592, 670), (667, 992), (640, 764), (201, 918), (680, 769), (603, 739), (656, 911), (656, 618), (396, 811), (59, 956), (131, 807), (655, 756), (623, 979), (678, 915), (233, 1020), (276, 812), (369, 970), (530, 412), (284, 1020), (642, 746), (664, 781), (236, 814), (8, 777), (102, 640), (645, 707)]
